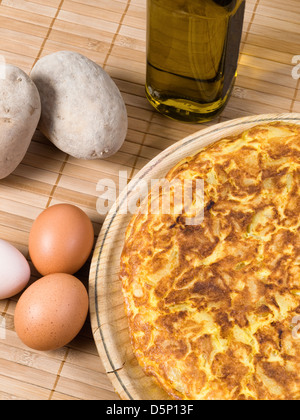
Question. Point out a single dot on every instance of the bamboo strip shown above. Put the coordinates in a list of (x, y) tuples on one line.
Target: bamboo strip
[(112, 33)]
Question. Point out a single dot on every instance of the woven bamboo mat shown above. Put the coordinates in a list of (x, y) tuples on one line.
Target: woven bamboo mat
[(112, 33)]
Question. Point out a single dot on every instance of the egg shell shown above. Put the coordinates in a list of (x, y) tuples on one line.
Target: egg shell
[(51, 312), (14, 270), (61, 240)]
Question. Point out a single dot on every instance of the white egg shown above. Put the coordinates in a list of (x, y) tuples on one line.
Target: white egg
[(14, 270)]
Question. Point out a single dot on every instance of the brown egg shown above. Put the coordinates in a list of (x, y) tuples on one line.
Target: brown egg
[(61, 240), (51, 312)]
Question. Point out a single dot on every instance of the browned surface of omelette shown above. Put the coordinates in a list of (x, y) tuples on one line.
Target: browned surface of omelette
[(211, 307)]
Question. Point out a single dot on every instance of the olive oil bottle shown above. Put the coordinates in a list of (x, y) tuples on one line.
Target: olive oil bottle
[(192, 56)]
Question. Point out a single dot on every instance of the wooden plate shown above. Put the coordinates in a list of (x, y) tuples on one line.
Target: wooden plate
[(108, 319)]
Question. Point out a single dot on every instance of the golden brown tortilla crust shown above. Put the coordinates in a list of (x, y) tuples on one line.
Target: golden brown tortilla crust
[(211, 307)]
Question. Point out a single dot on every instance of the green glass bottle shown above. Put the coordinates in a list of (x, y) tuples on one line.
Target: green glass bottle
[(192, 56)]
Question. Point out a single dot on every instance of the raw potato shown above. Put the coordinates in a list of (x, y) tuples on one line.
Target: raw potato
[(20, 110), (83, 112)]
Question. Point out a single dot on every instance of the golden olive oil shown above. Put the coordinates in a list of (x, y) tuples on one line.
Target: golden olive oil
[(192, 56)]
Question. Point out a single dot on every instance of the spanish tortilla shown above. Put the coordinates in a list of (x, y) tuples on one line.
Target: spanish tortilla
[(211, 306)]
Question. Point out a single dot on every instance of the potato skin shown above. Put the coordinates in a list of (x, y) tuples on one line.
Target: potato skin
[(20, 110), (83, 112)]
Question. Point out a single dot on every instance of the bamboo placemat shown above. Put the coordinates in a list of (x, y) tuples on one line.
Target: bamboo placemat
[(112, 33)]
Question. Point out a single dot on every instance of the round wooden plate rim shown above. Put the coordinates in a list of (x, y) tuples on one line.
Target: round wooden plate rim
[(96, 283)]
